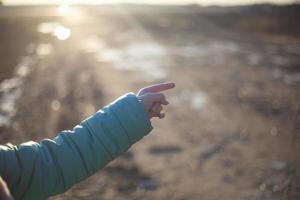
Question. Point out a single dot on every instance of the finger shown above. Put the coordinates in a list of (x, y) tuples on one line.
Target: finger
[(161, 115), (156, 98), (153, 114), (157, 88), (157, 108)]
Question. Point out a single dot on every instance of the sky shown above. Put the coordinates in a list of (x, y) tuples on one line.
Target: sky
[(201, 2)]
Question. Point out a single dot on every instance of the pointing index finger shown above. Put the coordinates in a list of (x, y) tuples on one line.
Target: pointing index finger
[(157, 88)]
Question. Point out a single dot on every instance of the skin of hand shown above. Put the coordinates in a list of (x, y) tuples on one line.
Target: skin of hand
[(4, 191), (153, 99)]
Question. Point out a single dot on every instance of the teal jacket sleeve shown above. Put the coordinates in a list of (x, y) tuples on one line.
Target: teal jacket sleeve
[(40, 170)]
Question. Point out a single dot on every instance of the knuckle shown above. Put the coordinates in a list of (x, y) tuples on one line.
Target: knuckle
[(161, 96)]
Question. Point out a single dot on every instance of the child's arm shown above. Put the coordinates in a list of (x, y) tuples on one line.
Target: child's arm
[(39, 170)]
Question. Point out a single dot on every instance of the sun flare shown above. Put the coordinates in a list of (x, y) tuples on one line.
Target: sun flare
[(62, 33), (64, 9)]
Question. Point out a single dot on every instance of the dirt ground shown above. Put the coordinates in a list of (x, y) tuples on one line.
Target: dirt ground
[(232, 129)]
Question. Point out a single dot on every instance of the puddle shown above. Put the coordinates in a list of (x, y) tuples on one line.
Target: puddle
[(288, 78), (62, 32), (44, 49), (278, 56), (211, 48), (22, 71), (59, 31), (291, 78), (9, 84), (196, 100), (219, 52), (47, 27), (254, 59), (292, 49), (92, 44), (209, 53), (146, 57), (11, 89), (279, 60), (9, 92), (111, 55)]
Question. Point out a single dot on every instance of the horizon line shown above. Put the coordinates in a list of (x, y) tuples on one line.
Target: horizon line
[(90, 2), (154, 4)]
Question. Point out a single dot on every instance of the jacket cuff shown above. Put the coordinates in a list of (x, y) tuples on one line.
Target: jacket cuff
[(133, 116), (127, 122)]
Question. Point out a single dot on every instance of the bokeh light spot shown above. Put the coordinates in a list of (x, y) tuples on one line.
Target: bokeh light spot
[(62, 33)]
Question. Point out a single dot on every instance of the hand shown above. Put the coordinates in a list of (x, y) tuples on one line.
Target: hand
[(4, 191), (152, 98)]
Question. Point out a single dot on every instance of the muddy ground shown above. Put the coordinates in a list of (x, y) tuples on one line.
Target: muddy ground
[(232, 129)]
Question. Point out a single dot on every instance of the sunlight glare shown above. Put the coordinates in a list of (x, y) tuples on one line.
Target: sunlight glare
[(64, 9), (62, 33)]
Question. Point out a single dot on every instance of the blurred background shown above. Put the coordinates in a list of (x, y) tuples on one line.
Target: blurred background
[(233, 127)]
